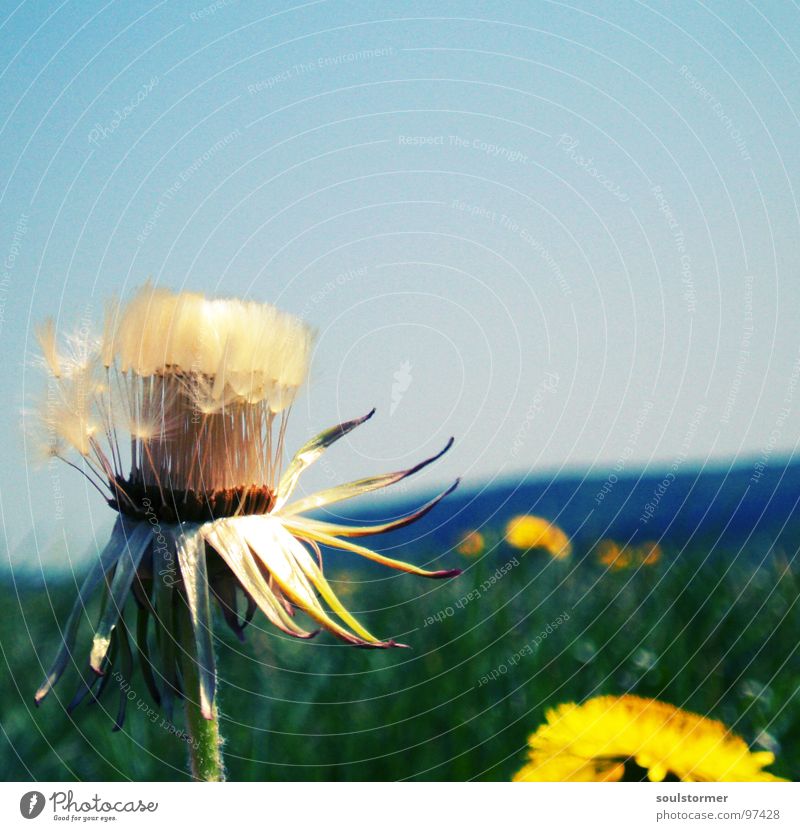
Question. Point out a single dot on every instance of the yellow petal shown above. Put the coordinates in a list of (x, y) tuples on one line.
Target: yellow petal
[(274, 546), (224, 537), (319, 531)]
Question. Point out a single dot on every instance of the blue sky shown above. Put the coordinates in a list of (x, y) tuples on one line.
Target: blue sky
[(564, 233)]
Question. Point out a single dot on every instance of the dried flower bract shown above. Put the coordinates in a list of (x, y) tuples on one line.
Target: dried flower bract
[(177, 414)]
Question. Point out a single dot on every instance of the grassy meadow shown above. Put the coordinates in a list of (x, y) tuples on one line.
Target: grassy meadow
[(490, 650)]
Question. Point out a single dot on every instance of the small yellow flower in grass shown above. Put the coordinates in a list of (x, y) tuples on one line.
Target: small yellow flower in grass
[(611, 555), (649, 553), (527, 531), (611, 738), (472, 544), (616, 557)]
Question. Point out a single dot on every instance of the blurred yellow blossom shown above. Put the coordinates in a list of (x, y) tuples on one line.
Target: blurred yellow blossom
[(649, 553), (526, 531), (618, 557), (610, 554), (610, 738), (472, 544)]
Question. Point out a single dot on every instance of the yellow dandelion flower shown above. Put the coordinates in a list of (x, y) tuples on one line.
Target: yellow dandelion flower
[(472, 544), (567, 768), (610, 738), (559, 545), (607, 552), (611, 555), (649, 553), (527, 531)]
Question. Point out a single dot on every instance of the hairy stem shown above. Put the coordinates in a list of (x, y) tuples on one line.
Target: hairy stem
[(205, 744), (204, 740)]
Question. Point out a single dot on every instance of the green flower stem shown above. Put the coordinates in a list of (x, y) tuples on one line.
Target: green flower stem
[(205, 742)]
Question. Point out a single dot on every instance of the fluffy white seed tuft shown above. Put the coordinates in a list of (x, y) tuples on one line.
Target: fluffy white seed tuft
[(252, 351), (46, 336), (192, 386)]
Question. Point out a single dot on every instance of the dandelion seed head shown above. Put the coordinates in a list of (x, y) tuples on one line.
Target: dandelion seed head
[(192, 386)]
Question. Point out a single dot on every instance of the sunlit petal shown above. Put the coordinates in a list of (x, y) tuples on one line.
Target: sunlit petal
[(272, 543), (224, 537), (318, 531)]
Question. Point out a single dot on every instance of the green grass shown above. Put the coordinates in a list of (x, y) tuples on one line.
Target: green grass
[(718, 638)]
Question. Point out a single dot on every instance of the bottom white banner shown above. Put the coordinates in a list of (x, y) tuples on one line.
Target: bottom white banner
[(365, 806)]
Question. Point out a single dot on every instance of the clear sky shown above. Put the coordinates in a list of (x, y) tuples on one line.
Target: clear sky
[(566, 233)]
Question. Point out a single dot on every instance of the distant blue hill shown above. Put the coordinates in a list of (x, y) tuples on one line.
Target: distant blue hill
[(739, 510), (742, 506)]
